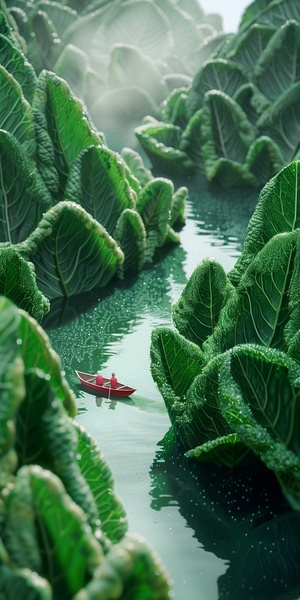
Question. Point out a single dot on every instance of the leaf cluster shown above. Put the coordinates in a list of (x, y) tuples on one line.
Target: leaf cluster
[(73, 213), (63, 530), (238, 121), (229, 372)]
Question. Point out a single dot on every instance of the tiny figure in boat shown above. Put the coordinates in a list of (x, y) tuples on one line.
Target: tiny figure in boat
[(99, 378), (113, 381)]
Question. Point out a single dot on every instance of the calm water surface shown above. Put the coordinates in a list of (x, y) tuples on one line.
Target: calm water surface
[(199, 526)]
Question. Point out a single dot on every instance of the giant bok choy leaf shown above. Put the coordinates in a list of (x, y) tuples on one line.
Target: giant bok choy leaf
[(23, 195), (161, 142), (197, 312), (226, 135), (260, 398), (62, 528), (277, 211), (98, 182), (71, 252), (18, 119), (18, 283), (131, 236), (63, 128), (240, 397), (154, 205), (15, 62)]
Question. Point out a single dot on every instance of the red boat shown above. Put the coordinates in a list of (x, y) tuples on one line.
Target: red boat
[(89, 381)]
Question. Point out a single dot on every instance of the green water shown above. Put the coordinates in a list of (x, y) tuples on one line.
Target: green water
[(219, 534)]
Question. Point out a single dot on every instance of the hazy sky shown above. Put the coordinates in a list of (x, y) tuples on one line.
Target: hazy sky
[(231, 11)]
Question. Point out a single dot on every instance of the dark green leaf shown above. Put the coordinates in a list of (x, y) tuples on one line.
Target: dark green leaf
[(36, 353), (281, 122), (12, 386), (18, 283), (72, 252), (15, 112), (261, 310), (264, 159), (97, 182), (272, 74), (23, 196), (46, 436), (178, 207), (277, 210), (227, 451), (15, 62), (61, 117), (225, 130), (42, 521), (175, 362), (260, 398), (131, 236), (154, 205), (20, 583), (99, 478), (197, 311), (161, 142), (250, 45), (216, 75)]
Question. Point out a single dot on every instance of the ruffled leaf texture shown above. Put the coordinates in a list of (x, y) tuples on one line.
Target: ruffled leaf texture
[(240, 400), (161, 143), (175, 362), (63, 529), (18, 118), (16, 63), (51, 158), (41, 520), (39, 516), (154, 205), (277, 211), (98, 182), (71, 252), (63, 130), (260, 398), (23, 195), (265, 298), (197, 311), (130, 235), (252, 77), (218, 75), (18, 283), (23, 339)]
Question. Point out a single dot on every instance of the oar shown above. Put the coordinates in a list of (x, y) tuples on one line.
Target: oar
[(109, 390)]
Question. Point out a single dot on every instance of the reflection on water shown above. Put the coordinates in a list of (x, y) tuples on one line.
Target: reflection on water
[(240, 516), (213, 531)]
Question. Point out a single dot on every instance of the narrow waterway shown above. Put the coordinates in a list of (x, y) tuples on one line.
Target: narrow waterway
[(111, 330)]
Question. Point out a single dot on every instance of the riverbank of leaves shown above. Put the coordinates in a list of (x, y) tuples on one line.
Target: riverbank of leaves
[(62, 527), (238, 121), (229, 371), (79, 213)]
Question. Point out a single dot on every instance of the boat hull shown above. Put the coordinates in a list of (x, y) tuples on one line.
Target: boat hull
[(88, 381)]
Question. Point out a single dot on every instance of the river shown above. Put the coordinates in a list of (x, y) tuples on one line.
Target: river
[(110, 330)]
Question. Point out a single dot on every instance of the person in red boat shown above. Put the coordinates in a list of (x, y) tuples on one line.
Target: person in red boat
[(113, 380), (99, 378)]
